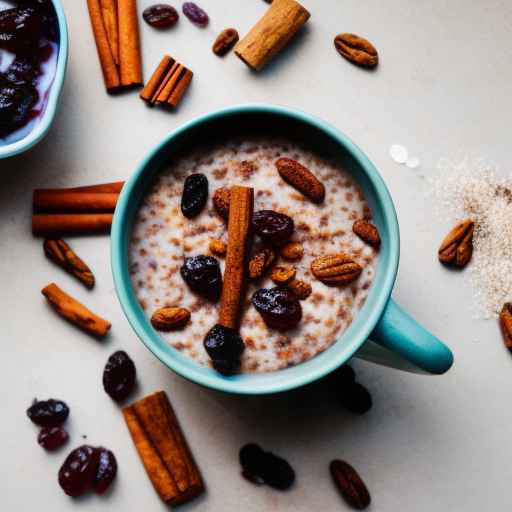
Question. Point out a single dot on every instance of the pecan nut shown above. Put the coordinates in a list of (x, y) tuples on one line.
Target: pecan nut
[(170, 319), (301, 289), (225, 41), (506, 324), (301, 178), (357, 50), (457, 247), (292, 251), (221, 202), (282, 275), (218, 247), (350, 484), (336, 269), (261, 262), (367, 232)]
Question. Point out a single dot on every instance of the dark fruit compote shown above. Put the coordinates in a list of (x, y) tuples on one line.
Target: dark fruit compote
[(28, 56)]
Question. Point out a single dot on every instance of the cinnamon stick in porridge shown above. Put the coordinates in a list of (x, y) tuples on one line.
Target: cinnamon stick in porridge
[(239, 227), (65, 201), (51, 224)]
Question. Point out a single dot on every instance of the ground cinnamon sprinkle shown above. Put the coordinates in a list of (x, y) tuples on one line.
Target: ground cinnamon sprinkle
[(470, 189)]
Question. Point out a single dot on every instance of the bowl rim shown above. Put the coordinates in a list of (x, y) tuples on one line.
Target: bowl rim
[(41, 129), (256, 383)]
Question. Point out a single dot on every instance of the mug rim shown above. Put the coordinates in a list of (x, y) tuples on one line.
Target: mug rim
[(279, 380)]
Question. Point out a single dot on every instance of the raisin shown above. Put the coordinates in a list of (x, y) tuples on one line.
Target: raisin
[(195, 195), (273, 227), (161, 16), (225, 347), (279, 307), (78, 471), (106, 471), (195, 14), (48, 413), (20, 28), (356, 398), (52, 438), (16, 103), (259, 465), (119, 376), (202, 274)]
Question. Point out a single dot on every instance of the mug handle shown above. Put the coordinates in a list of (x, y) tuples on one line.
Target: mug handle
[(401, 334)]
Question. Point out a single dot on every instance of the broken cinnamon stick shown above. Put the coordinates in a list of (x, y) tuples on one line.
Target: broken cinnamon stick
[(239, 227), (157, 78), (163, 449), (73, 223), (75, 312), (273, 31), (60, 253), (65, 201), (129, 43)]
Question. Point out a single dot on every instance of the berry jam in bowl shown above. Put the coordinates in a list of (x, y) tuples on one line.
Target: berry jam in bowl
[(33, 58)]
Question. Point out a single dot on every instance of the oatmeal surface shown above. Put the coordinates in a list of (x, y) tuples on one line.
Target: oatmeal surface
[(162, 237)]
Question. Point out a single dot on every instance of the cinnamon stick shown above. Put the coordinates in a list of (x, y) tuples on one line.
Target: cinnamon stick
[(239, 227), (74, 312), (74, 223), (165, 93), (108, 65), (163, 449), (273, 31), (157, 78), (180, 88), (129, 43), (114, 187), (60, 253), (65, 201), (109, 14)]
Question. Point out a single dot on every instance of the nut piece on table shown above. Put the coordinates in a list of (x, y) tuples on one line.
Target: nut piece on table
[(292, 251), (367, 232), (350, 484), (170, 319), (282, 275), (261, 262), (457, 247), (357, 50), (336, 269), (225, 42)]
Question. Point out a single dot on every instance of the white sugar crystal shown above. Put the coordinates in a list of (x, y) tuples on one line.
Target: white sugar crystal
[(413, 162), (398, 153), (474, 190)]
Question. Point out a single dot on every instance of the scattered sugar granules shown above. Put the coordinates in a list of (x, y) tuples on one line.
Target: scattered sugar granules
[(472, 189)]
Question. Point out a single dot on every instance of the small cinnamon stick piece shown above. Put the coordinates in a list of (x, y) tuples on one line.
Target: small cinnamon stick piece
[(64, 201), (74, 312), (129, 43), (272, 32), (61, 223), (163, 449), (239, 228), (157, 78), (61, 254)]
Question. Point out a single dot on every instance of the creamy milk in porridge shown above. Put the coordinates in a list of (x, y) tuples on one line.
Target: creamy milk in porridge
[(162, 237)]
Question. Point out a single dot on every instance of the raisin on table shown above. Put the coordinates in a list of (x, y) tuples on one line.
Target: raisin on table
[(161, 16), (119, 376), (106, 471), (48, 413), (195, 14), (78, 471)]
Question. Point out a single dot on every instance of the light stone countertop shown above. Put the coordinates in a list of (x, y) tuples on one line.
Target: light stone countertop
[(430, 443)]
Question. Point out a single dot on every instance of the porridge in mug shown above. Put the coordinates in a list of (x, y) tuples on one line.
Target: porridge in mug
[(309, 261)]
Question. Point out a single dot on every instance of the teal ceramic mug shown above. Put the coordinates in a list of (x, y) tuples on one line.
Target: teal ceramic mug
[(381, 331)]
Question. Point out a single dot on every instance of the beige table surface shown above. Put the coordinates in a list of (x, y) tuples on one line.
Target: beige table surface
[(443, 89)]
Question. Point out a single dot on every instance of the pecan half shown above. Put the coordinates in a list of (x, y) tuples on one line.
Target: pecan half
[(282, 275), (261, 262), (170, 319), (367, 232), (301, 289), (506, 324), (292, 251), (301, 178), (357, 50), (457, 247), (350, 484), (336, 269), (225, 41), (221, 202), (218, 247)]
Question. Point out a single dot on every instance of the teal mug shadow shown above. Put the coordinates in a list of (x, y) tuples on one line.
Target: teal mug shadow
[(40, 129), (397, 340)]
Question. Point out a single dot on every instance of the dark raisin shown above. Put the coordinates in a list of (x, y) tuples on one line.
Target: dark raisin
[(16, 103), (195, 14), (273, 227), (202, 274), (161, 16), (279, 307), (48, 413), (52, 438), (20, 28), (356, 398), (225, 347), (78, 471), (195, 195), (106, 471), (119, 376)]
